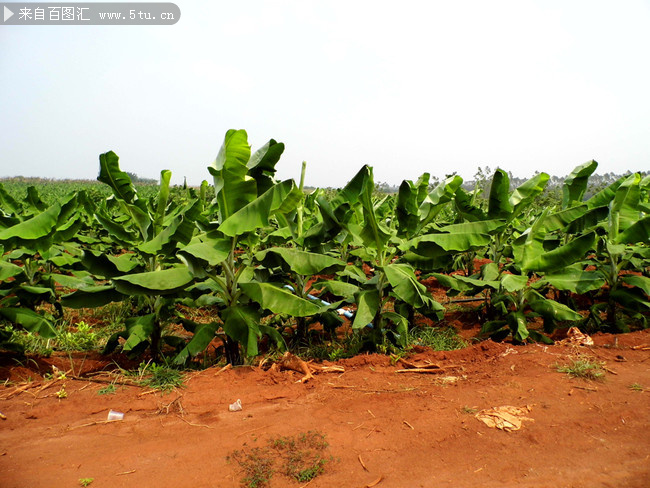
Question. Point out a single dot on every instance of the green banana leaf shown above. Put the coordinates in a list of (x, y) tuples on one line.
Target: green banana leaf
[(8, 203), (478, 227), (204, 334), (466, 208), (30, 320), (118, 231), (241, 323), (9, 270), (513, 283), (499, 206), (337, 288), (367, 308), (261, 165), (633, 299), (154, 282), (179, 231), (211, 250), (163, 199), (518, 326), (233, 188), (401, 326), (33, 200), (300, 262), (64, 260), (550, 309), (642, 282), (443, 243), (124, 263), (34, 228), (123, 189), (536, 258), (434, 202), (606, 195), (68, 281), (575, 184), (111, 175), (591, 219), (406, 286), (464, 284), (638, 232), (373, 233), (35, 290), (574, 279), (92, 297), (624, 210), (138, 331), (407, 207), (100, 265), (560, 220), (526, 193), (280, 198), (279, 300)]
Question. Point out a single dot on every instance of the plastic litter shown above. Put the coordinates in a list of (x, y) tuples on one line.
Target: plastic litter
[(235, 407), (113, 415)]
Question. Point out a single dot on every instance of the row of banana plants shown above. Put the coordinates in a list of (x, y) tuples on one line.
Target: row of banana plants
[(261, 254)]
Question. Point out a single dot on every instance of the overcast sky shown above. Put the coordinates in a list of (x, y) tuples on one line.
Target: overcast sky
[(437, 86)]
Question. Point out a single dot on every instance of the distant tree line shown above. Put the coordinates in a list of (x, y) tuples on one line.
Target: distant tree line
[(35, 180)]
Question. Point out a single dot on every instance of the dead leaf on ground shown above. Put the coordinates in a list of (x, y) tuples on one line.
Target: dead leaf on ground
[(507, 417), (294, 363), (421, 365), (576, 338)]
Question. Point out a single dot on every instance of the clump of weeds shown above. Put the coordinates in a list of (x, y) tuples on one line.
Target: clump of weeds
[(637, 387), (160, 377), (110, 389), (583, 367), (256, 464), (469, 410), (299, 457), (437, 338)]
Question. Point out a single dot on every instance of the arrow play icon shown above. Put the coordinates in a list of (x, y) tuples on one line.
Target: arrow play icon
[(8, 14)]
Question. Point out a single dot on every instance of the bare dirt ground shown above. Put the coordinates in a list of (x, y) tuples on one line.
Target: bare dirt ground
[(384, 428)]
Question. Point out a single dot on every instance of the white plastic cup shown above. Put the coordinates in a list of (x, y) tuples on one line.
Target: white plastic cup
[(235, 407), (113, 415)]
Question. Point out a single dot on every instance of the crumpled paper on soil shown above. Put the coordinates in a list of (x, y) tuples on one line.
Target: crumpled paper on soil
[(576, 338), (506, 418)]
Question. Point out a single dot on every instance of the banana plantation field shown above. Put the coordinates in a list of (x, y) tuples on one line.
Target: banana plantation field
[(438, 336)]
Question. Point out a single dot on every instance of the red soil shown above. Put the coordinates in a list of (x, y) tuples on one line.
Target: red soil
[(408, 429)]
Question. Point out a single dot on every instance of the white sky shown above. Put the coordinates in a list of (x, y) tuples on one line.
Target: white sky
[(407, 87)]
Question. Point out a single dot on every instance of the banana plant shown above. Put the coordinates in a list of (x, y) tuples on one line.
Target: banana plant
[(618, 217), (294, 268), (148, 272), (376, 242), (31, 240), (623, 237), (510, 298), (248, 204)]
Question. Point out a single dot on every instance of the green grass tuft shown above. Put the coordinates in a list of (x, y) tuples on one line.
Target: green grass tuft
[(583, 368)]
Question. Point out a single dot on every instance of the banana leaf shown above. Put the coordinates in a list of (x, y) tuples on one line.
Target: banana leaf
[(367, 308), (300, 262), (30, 320), (279, 300), (280, 198), (160, 282), (575, 184)]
